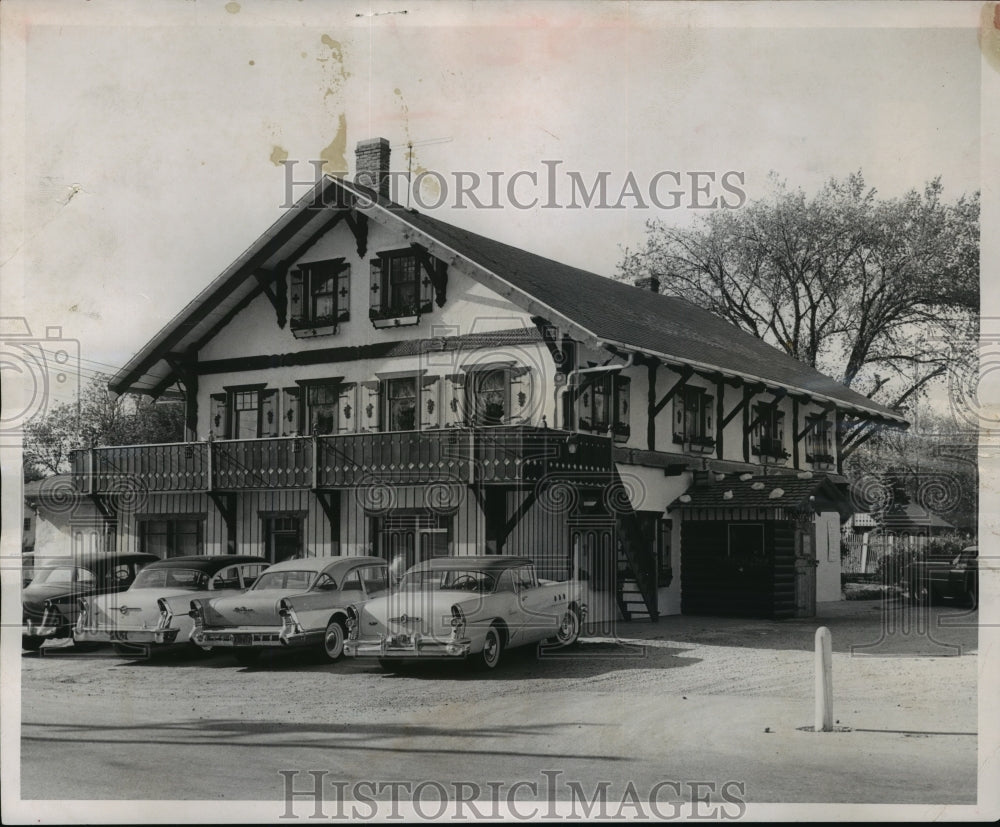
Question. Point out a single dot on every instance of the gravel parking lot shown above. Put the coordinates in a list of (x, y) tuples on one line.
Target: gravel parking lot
[(686, 698)]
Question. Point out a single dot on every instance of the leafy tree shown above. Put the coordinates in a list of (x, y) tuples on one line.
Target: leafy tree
[(101, 418), (880, 293)]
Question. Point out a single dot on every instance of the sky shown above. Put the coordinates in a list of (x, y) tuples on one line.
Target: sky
[(149, 152)]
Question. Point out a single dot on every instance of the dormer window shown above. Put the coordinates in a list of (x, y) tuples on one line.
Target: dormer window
[(768, 437), (693, 420), (320, 299), (401, 287), (819, 440)]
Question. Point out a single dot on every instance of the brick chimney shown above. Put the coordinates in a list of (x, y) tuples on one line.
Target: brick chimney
[(371, 166), (648, 283)]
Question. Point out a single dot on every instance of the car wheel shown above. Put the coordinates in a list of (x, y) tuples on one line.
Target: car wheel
[(920, 594), (489, 658), (247, 656), (568, 632), (31, 643), (333, 640)]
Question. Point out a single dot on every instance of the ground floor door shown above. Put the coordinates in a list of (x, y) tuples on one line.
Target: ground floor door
[(406, 537), (805, 574), (594, 561)]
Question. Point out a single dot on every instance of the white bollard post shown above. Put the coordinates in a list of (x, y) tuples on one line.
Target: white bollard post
[(824, 680)]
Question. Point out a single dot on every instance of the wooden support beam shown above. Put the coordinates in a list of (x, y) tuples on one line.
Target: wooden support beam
[(795, 425), (857, 442), (720, 407), (839, 438), (651, 369), (518, 515), (740, 406), (183, 368), (358, 222), (276, 294), (437, 272), (493, 501), (226, 504), (329, 501), (686, 373)]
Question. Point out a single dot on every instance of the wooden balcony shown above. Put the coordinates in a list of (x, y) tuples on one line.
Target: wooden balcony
[(501, 455)]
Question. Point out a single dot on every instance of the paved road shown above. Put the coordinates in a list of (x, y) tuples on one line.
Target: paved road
[(718, 702)]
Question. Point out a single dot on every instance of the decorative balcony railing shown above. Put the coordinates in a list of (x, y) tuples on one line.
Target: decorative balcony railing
[(498, 455)]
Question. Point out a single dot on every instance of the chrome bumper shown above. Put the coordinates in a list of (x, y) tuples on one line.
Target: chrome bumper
[(259, 637), (40, 629), (413, 647), (158, 636)]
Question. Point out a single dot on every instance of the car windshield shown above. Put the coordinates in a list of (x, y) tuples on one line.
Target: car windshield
[(460, 580), (59, 575), (288, 579), (171, 579)]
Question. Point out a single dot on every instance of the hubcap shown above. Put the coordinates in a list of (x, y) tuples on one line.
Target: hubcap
[(334, 641), (491, 648)]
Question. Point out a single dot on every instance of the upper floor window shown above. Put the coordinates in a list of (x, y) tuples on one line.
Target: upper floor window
[(693, 420), (400, 288), (245, 412), (604, 405), (320, 296), (819, 439), (401, 404), (768, 435), (246, 415), (489, 398), (321, 408)]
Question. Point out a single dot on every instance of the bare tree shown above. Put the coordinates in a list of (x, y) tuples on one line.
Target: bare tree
[(880, 293)]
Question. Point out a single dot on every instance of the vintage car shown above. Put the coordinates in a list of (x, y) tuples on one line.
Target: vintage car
[(465, 607), (952, 578), (50, 604), (155, 609), (298, 602)]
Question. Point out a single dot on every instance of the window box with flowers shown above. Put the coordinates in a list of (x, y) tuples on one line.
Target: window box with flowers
[(821, 462), (702, 444)]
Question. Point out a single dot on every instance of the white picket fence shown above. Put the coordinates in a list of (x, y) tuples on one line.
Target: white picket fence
[(864, 552)]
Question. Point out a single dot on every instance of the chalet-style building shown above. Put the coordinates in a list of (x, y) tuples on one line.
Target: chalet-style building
[(368, 379)]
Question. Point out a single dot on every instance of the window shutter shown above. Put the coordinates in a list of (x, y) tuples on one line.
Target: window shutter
[(269, 425), (678, 403), (430, 402), (297, 298), (344, 294), (376, 284), (347, 409), (370, 396), (426, 288), (779, 427), (454, 413), (585, 407), (708, 406), (621, 426), (291, 412), (521, 395), (219, 427)]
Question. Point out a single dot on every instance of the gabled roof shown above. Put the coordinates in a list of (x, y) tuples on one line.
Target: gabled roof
[(599, 310), (785, 491)]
